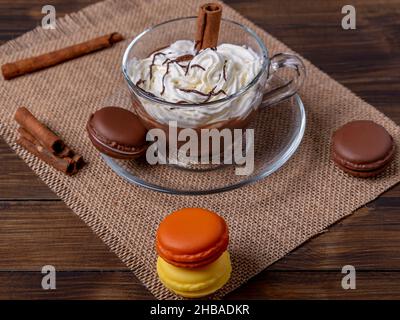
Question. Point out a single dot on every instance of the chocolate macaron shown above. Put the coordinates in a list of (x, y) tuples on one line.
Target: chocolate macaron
[(362, 148), (117, 132)]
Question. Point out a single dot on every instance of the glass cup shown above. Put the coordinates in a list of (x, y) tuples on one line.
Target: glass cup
[(235, 111)]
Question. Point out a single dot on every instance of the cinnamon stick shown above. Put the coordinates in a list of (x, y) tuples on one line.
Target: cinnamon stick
[(78, 163), (25, 134), (67, 152), (39, 131), (208, 23), (61, 164), (21, 67)]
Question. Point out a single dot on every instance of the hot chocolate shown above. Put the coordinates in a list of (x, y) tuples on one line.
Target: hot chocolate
[(180, 75), (218, 81)]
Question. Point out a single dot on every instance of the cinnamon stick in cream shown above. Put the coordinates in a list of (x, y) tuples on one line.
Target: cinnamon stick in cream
[(21, 67), (208, 23)]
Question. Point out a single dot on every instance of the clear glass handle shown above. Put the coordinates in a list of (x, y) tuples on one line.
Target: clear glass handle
[(284, 60)]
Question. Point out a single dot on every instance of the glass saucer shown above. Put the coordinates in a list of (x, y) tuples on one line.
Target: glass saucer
[(278, 131)]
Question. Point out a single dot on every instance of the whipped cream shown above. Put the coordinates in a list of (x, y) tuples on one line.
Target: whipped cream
[(178, 74)]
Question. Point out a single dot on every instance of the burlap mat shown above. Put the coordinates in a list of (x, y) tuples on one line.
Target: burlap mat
[(266, 220)]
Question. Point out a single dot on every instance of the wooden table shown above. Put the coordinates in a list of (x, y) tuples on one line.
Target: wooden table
[(36, 228)]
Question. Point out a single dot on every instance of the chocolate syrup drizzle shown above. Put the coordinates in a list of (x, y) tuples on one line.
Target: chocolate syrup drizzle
[(163, 78), (194, 91), (224, 71), (153, 62), (197, 66), (168, 61), (183, 58), (212, 93), (187, 68)]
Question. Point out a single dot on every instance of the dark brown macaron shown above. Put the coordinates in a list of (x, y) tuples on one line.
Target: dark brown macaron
[(362, 148), (117, 133)]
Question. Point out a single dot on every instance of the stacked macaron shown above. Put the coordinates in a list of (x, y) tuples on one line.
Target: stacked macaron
[(192, 246)]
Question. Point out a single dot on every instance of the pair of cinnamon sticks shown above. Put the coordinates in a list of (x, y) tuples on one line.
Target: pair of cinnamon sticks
[(39, 140)]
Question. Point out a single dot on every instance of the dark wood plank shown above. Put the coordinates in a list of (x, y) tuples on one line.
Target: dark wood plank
[(73, 285), (17, 181), (19, 16), (368, 240), (319, 285), (364, 59), (36, 233), (270, 285)]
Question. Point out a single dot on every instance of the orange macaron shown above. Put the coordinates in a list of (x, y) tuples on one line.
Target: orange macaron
[(192, 237)]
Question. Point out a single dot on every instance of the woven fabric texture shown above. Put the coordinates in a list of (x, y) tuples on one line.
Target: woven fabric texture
[(266, 220)]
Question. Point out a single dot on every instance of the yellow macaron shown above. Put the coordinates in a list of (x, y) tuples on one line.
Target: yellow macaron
[(195, 282)]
